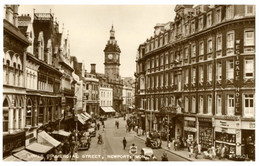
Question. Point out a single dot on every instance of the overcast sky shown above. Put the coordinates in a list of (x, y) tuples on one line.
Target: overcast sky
[(89, 27)]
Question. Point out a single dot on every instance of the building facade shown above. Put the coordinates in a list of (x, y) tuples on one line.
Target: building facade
[(112, 63), (196, 76), (14, 74)]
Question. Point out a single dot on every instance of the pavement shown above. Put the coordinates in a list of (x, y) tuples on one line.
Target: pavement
[(182, 152), (112, 148)]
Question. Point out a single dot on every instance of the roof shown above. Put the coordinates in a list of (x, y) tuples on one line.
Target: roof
[(15, 32)]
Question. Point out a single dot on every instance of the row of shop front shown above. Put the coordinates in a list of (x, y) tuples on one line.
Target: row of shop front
[(210, 131), (30, 148)]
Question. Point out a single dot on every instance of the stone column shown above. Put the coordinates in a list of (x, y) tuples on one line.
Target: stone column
[(10, 119), (17, 118)]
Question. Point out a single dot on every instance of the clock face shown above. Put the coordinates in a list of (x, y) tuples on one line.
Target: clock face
[(110, 56)]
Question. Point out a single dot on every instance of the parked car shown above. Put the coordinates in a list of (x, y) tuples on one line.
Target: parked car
[(154, 143), (146, 154)]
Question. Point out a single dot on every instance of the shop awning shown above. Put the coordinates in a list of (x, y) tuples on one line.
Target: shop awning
[(12, 158), (62, 133), (85, 113), (80, 119), (84, 117), (38, 148), (45, 138), (28, 156), (108, 109)]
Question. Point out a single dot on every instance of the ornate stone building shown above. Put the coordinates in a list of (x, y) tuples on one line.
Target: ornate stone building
[(196, 77)]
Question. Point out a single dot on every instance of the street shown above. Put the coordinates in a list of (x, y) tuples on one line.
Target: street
[(112, 148)]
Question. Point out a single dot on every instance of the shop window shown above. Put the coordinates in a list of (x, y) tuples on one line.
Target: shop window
[(230, 104), (249, 110)]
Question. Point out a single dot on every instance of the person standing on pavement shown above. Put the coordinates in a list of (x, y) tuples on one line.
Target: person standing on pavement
[(196, 151), (124, 142), (98, 125)]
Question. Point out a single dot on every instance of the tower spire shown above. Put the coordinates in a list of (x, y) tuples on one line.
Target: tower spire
[(112, 32)]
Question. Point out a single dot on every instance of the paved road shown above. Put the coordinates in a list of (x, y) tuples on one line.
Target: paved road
[(112, 148)]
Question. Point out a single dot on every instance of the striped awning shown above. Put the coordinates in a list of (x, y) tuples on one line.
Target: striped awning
[(108, 109)]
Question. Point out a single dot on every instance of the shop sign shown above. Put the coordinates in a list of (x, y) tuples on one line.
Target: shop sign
[(205, 119), (190, 129), (190, 118), (228, 124), (248, 125), (237, 79)]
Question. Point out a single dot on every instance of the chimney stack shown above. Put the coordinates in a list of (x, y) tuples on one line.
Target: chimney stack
[(93, 68)]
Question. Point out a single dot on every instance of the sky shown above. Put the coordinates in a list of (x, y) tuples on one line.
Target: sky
[(89, 27)]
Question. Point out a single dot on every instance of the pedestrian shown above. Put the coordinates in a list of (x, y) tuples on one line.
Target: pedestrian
[(98, 125), (199, 148), (124, 142), (169, 145), (173, 144), (196, 151), (191, 150)]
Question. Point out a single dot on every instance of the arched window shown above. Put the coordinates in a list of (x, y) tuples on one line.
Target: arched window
[(7, 71), (5, 115), (14, 114), (14, 73), (29, 113)]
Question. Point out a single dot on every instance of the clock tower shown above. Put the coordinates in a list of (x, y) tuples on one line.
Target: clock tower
[(112, 57)]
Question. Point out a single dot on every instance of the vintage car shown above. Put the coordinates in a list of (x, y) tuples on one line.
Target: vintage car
[(153, 142), (146, 154), (92, 132), (84, 143)]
